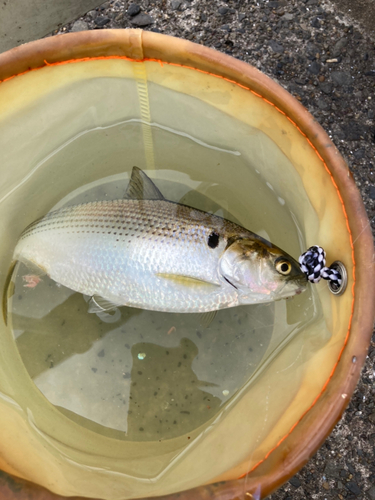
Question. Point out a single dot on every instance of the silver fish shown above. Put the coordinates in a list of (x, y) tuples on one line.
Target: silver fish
[(144, 251)]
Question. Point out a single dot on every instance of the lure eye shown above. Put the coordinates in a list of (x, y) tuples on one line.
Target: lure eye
[(283, 267)]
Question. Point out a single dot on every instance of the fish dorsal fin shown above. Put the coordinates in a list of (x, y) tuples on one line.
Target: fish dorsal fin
[(141, 187)]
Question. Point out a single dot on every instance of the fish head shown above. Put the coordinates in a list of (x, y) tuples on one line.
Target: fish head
[(260, 271)]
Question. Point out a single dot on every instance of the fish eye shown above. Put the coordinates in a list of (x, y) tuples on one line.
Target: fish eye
[(213, 240), (283, 267)]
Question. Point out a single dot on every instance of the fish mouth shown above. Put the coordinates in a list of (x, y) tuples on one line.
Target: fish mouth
[(300, 280), (302, 285), (299, 286)]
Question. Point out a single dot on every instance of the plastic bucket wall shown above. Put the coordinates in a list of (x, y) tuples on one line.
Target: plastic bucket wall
[(85, 75)]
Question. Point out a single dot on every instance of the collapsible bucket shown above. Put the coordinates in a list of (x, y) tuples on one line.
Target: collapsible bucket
[(154, 405)]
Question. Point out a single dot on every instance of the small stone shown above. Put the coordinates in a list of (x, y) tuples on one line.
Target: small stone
[(340, 485), (322, 78), (325, 485), (315, 23), (101, 353), (326, 87), (370, 73), (133, 10), (287, 17), (223, 10), (241, 17), (371, 493), (360, 153), (276, 47), (311, 48), (142, 20), (294, 481), (102, 21), (79, 26), (350, 467), (225, 392), (322, 104), (343, 42), (273, 5), (370, 114), (353, 132), (331, 470), (176, 4), (141, 355), (314, 68), (341, 78), (353, 487), (301, 81)]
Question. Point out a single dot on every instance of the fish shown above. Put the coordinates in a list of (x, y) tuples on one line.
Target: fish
[(147, 252)]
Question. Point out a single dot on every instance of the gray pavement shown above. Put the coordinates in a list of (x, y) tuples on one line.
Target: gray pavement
[(24, 20), (361, 11)]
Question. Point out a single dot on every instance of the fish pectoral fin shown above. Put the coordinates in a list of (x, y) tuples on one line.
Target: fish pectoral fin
[(141, 187), (99, 304), (185, 280), (207, 318)]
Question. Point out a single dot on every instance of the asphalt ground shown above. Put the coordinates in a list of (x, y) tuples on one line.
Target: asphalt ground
[(326, 59), (362, 11)]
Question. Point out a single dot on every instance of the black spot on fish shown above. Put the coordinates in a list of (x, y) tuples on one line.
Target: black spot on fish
[(213, 240)]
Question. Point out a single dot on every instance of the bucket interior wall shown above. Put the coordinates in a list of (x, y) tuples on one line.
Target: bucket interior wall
[(65, 124)]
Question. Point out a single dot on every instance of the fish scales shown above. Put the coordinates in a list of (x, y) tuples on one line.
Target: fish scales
[(145, 251), (116, 248)]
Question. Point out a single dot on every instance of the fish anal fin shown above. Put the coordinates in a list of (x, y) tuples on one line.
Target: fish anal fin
[(188, 281), (99, 304), (141, 187), (207, 318)]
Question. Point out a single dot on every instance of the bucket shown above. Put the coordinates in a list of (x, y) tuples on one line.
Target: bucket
[(148, 404)]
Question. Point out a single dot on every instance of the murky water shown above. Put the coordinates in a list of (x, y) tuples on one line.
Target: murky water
[(137, 403), (140, 375)]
